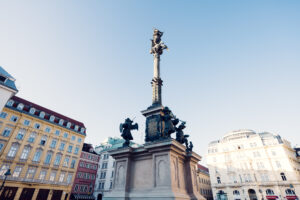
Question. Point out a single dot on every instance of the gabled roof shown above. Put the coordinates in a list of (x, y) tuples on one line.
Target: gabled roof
[(10, 81)]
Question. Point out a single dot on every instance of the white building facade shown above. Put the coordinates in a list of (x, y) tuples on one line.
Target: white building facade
[(247, 165), (106, 167)]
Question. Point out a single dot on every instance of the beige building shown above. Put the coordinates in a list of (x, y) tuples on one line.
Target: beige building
[(248, 165), (41, 148), (203, 179)]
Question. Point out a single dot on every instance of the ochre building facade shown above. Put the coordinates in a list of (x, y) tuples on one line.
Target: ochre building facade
[(41, 148)]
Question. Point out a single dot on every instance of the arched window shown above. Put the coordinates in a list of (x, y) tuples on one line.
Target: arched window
[(76, 127), (52, 118), (269, 192), (69, 125), (219, 180), (61, 122), (10, 103), (20, 106), (82, 130), (236, 192), (32, 111), (42, 114), (289, 191), (283, 176)]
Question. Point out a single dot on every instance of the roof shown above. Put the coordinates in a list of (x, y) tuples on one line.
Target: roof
[(48, 113), (202, 168), (88, 148), (9, 80)]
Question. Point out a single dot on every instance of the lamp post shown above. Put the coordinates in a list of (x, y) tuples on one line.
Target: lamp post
[(7, 173)]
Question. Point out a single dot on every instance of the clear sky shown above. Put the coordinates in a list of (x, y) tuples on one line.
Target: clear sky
[(231, 65)]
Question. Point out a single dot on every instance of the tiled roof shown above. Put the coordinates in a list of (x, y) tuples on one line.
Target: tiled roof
[(202, 168), (10, 81), (48, 113)]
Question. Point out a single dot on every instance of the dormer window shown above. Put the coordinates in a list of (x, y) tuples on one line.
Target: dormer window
[(69, 125), (61, 122), (10, 103), (52, 118), (20, 106), (32, 111), (82, 130), (42, 114), (2, 79), (76, 128)]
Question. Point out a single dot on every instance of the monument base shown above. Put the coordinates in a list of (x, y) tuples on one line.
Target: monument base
[(159, 170)]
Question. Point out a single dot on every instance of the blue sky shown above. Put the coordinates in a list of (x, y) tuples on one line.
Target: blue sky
[(231, 64)]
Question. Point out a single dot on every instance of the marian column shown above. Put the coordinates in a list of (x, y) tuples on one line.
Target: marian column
[(157, 50)]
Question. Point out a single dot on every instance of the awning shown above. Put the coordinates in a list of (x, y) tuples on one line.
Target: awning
[(291, 197), (271, 197), (84, 196)]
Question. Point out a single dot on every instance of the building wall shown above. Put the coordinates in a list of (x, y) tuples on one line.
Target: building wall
[(244, 160), (86, 174), (5, 94), (64, 176), (204, 186)]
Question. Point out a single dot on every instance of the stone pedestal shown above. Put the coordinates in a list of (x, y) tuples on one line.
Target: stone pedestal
[(159, 170)]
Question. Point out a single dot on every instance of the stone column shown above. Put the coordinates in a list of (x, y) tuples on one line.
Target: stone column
[(18, 193)]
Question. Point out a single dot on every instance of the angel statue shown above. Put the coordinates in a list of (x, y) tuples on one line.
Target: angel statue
[(157, 45), (125, 129), (180, 136)]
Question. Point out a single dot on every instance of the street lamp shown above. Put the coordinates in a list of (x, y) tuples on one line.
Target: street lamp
[(7, 173)]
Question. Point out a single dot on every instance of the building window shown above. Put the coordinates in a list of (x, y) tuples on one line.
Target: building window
[(1, 146), (30, 173), (218, 180), (37, 155), (25, 153), (43, 140), (70, 148), (264, 177), (52, 118), (65, 135), (76, 127), (32, 111), (21, 134), (105, 156), (260, 165), (102, 175), (73, 163), (26, 122), (61, 177), (73, 138), (68, 125), (47, 129), (61, 122), (269, 192), (101, 185), (3, 115), (110, 186), (76, 150), (290, 192), (57, 132), (10, 103), (42, 115), (20, 106), (37, 126), (14, 118), (76, 188), (53, 143), (52, 176), (6, 132), (283, 176), (13, 150), (42, 174), (256, 154), (32, 137), (104, 165), (69, 178), (82, 130), (4, 169), (112, 174), (62, 146), (57, 159), (17, 171), (79, 140), (66, 161), (48, 158), (278, 164)]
